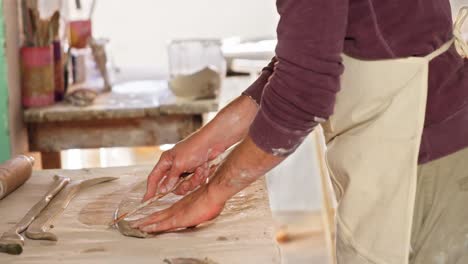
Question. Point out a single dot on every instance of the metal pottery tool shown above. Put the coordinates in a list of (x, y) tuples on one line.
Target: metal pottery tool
[(183, 178), (39, 229), (12, 241)]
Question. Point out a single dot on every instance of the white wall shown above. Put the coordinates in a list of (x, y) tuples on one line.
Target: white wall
[(139, 30)]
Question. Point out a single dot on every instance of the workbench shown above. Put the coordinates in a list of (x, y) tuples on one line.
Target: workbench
[(142, 113), (242, 234)]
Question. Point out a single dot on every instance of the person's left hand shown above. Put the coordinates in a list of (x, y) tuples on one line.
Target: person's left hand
[(192, 210)]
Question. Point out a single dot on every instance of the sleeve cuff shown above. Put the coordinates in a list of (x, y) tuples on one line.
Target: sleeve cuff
[(274, 139), (255, 90)]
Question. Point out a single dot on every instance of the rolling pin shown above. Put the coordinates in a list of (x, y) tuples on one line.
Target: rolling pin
[(14, 173)]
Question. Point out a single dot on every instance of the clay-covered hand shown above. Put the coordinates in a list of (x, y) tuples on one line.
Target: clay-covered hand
[(192, 210), (192, 154), (244, 165)]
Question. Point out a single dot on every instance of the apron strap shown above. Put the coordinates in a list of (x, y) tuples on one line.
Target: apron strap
[(441, 50), (460, 43)]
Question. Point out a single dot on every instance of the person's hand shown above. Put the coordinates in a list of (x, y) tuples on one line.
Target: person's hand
[(192, 154), (245, 164), (192, 210)]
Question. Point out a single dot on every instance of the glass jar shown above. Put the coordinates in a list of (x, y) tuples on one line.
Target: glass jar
[(197, 67)]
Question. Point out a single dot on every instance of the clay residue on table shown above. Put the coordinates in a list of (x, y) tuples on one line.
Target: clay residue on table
[(103, 210), (94, 250), (131, 200), (189, 261), (99, 212), (242, 205)]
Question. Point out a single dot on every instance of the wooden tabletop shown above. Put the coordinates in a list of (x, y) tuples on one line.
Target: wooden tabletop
[(243, 233), (136, 99)]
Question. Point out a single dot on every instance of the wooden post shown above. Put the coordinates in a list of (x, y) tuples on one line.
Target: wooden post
[(51, 160), (5, 146)]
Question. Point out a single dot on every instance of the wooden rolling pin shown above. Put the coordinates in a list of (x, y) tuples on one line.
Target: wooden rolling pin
[(14, 173)]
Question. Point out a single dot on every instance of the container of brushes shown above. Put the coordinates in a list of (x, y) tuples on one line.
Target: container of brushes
[(37, 72)]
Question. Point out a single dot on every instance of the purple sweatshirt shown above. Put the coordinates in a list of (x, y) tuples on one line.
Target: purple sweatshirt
[(299, 87)]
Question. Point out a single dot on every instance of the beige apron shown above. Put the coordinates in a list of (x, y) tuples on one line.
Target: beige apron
[(373, 141)]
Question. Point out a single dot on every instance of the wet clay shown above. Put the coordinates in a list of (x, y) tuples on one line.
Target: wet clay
[(200, 85), (100, 212), (132, 200), (240, 206)]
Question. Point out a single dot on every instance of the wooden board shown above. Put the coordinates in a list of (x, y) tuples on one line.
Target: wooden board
[(243, 234), (125, 104), (129, 132)]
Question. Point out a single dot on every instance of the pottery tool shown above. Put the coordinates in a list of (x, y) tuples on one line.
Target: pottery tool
[(40, 32), (27, 25), (100, 58), (12, 241), (34, 18), (39, 229), (91, 10), (183, 178), (55, 25), (14, 173)]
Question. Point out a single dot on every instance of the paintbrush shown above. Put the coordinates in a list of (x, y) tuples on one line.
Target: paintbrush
[(55, 25), (183, 178)]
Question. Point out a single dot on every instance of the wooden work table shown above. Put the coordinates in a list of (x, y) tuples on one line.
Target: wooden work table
[(244, 233), (142, 113)]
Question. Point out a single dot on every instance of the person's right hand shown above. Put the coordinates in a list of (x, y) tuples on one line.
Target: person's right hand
[(192, 154)]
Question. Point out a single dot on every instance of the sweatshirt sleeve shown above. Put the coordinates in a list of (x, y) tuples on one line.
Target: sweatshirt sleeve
[(255, 90), (302, 87)]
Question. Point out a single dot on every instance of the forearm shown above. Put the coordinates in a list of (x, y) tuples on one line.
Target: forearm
[(230, 125), (243, 166)]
